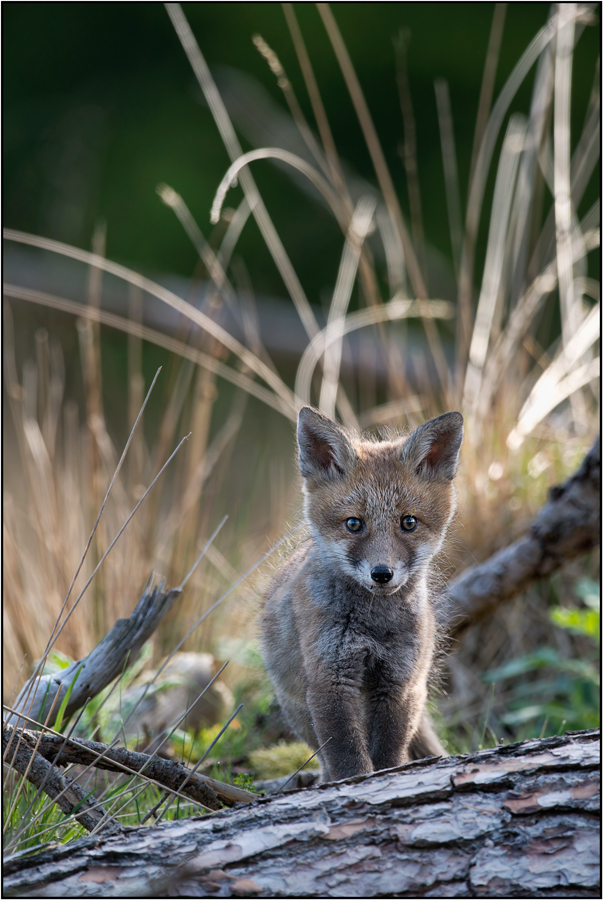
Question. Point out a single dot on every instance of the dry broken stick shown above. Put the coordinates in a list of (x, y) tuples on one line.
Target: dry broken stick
[(67, 793), (168, 773), (120, 647), (567, 526)]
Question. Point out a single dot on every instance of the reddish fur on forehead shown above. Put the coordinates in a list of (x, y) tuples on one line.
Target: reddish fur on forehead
[(382, 486)]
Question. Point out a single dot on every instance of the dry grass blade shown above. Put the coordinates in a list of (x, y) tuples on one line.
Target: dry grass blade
[(570, 311), (394, 257), (374, 146), (56, 631), (386, 185), (145, 284), (303, 765), (495, 257), (409, 146), (202, 553), (177, 519), (359, 228), (558, 381), (482, 165), (588, 149), (318, 109), (451, 176), (294, 108), (233, 147), (213, 265), (161, 340), (233, 232), (388, 312), (530, 188), (216, 263), (487, 89), (233, 173)]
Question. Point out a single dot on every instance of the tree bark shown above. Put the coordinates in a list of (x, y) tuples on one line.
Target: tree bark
[(567, 526), (516, 821)]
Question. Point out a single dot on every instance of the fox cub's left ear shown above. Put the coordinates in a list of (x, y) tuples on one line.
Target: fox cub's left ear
[(324, 448), (433, 449)]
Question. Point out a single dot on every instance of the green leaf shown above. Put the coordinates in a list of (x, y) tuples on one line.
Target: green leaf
[(581, 621), (63, 706), (56, 662), (546, 656), (525, 714), (589, 592)]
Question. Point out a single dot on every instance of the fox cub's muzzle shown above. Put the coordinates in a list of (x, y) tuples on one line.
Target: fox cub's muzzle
[(382, 574)]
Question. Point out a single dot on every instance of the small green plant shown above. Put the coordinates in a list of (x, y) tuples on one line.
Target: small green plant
[(568, 691), (245, 780), (282, 759), (582, 621)]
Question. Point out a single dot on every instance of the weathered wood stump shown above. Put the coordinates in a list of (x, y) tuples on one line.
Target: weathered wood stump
[(517, 821)]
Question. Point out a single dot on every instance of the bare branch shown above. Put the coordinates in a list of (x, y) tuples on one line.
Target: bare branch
[(168, 773), (568, 525), (120, 645), (69, 796)]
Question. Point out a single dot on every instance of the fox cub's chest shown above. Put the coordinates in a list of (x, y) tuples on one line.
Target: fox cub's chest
[(374, 646)]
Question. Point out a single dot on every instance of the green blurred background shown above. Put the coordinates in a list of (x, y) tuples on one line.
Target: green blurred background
[(101, 105)]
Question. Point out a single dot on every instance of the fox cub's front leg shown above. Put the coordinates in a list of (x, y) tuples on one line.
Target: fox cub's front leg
[(336, 708), (395, 707), (393, 719)]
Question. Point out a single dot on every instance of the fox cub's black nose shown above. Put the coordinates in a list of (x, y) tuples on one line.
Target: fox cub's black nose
[(382, 574)]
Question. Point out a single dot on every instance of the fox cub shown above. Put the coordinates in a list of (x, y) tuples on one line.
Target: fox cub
[(348, 629)]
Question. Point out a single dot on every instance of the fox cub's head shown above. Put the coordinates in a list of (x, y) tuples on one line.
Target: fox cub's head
[(378, 511)]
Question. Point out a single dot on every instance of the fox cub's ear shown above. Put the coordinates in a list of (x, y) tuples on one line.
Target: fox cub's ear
[(324, 449), (433, 449)]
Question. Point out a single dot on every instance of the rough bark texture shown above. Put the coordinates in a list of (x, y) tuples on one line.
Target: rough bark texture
[(568, 525), (121, 645), (518, 821)]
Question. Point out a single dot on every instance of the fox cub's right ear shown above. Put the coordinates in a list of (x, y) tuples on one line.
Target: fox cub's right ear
[(433, 449), (324, 448)]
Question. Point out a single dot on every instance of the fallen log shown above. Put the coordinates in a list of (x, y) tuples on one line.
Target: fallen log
[(519, 820)]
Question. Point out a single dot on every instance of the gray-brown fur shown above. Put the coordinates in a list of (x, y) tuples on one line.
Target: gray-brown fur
[(350, 656)]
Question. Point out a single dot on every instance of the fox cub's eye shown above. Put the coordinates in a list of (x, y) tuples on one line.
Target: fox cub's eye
[(353, 524), (408, 523)]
